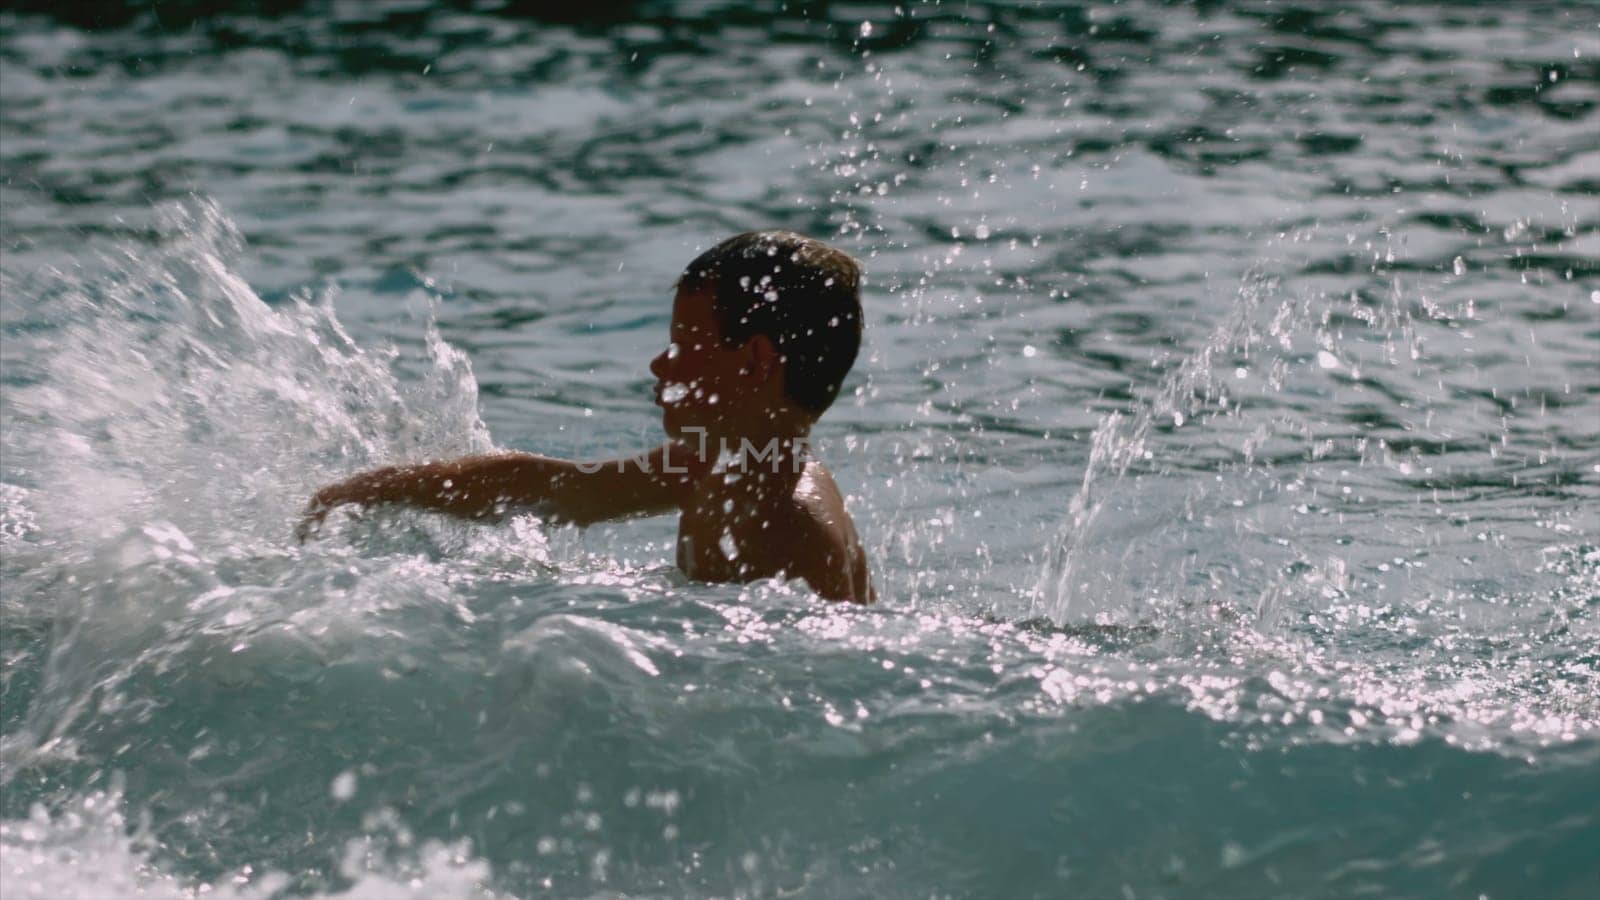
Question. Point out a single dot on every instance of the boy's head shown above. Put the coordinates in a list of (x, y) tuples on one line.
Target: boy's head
[(768, 300)]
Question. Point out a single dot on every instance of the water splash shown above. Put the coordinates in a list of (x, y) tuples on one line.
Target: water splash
[(164, 427), (161, 385), (1260, 457), (1194, 394)]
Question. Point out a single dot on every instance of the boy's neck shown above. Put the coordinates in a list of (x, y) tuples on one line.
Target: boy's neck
[(757, 464)]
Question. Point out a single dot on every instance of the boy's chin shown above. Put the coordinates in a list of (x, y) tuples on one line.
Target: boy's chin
[(681, 426), (678, 427)]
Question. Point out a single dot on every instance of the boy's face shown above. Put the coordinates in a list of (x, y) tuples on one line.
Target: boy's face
[(700, 383)]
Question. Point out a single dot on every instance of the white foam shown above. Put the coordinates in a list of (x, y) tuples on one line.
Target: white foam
[(88, 850)]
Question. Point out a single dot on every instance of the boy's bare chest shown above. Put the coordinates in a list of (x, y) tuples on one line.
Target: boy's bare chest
[(719, 542)]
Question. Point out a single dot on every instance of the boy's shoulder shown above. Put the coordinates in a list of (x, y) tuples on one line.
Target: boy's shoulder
[(825, 543)]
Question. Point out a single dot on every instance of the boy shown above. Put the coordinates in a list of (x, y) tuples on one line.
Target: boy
[(765, 326)]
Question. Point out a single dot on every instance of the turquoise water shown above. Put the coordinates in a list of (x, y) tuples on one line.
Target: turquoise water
[(1226, 442)]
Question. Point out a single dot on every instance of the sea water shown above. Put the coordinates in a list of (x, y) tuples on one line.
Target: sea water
[(1226, 443)]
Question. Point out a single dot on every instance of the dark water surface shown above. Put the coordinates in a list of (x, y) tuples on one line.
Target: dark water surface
[(1226, 442)]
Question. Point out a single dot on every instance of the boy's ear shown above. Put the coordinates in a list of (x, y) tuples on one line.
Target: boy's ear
[(764, 357)]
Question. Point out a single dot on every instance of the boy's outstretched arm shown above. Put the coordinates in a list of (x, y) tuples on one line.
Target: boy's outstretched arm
[(479, 486)]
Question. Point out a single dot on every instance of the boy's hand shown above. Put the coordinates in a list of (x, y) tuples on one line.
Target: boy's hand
[(322, 503), (311, 519), (310, 524)]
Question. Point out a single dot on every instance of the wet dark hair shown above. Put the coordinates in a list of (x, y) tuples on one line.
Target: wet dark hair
[(804, 295)]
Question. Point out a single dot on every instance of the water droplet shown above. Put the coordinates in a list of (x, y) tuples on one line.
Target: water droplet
[(344, 786), (1460, 266), (728, 547), (981, 232), (866, 29), (674, 393), (1030, 351), (1327, 360)]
